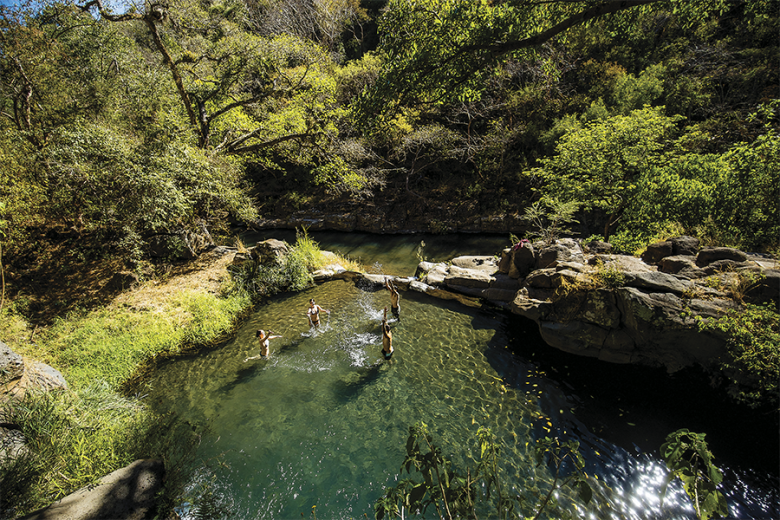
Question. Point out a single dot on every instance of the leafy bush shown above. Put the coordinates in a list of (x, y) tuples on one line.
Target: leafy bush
[(550, 218), (609, 275), (458, 494), (752, 366), (688, 458)]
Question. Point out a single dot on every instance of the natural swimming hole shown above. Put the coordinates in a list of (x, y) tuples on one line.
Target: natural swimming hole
[(324, 420)]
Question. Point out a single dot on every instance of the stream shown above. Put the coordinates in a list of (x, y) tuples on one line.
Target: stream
[(319, 428)]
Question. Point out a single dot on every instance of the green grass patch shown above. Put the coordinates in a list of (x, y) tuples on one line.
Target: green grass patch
[(75, 438), (109, 344)]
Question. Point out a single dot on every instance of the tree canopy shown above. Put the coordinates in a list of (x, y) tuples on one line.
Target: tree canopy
[(439, 50)]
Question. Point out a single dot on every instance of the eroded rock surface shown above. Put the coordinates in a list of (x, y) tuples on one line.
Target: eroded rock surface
[(648, 318)]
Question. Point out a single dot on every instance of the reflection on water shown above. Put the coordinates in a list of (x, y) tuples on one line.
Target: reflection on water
[(394, 254), (324, 420)]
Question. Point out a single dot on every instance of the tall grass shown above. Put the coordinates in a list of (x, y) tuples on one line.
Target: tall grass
[(109, 344), (75, 437)]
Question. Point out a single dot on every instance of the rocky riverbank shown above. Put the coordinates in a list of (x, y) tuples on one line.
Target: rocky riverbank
[(617, 308)]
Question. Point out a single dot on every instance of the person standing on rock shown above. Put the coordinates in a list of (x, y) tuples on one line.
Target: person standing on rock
[(387, 338), (314, 313), (395, 299), (265, 343)]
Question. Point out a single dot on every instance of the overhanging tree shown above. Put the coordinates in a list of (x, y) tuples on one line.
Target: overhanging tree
[(229, 80), (440, 50)]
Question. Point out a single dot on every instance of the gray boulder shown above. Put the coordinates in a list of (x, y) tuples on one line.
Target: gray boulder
[(506, 261), (655, 252), (658, 282), (270, 251), (11, 365), (482, 263), (675, 264), (684, 245), (767, 288), (565, 250), (727, 265), (712, 254), (459, 276), (17, 375), (598, 247), (523, 261), (128, 493)]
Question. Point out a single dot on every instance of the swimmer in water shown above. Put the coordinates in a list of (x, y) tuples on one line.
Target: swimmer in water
[(387, 338), (314, 313), (265, 344), (395, 299)]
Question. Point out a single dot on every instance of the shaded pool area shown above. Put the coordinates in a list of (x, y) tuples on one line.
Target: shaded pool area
[(324, 420)]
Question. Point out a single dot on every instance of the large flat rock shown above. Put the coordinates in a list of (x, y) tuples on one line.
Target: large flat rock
[(126, 494)]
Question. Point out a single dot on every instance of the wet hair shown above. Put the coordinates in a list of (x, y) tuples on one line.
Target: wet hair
[(311, 301), (259, 331)]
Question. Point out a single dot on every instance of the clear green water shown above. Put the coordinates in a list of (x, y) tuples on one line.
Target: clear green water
[(324, 420)]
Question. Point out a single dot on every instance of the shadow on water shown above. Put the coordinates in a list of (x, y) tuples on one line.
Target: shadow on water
[(348, 389), (629, 410), (255, 365), (636, 407)]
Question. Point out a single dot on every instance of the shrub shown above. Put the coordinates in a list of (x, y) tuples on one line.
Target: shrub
[(609, 275), (752, 366)]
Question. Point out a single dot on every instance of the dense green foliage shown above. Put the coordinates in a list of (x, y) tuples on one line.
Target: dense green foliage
[(752, 365), (148, 126), (640, 172)]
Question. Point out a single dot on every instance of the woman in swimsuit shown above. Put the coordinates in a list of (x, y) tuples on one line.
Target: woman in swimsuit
[(387, 338), (314, 313), (265, 343)]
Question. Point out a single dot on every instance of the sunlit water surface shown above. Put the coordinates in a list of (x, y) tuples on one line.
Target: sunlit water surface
[(324, 420)]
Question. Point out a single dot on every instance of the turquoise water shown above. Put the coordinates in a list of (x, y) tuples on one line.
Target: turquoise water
[(324, 420)]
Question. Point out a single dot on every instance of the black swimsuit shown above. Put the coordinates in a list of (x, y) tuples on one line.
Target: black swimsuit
[(315, 316)]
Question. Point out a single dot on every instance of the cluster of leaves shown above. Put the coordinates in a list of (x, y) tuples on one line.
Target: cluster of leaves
[(550, 219), (259, 280), (137, 127), (609, 275), (688, 458), (638, 172), (752, 364), (482, 489)]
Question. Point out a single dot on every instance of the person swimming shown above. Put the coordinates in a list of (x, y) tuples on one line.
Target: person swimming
[(265, 343), (387, 338), (314, 313)]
